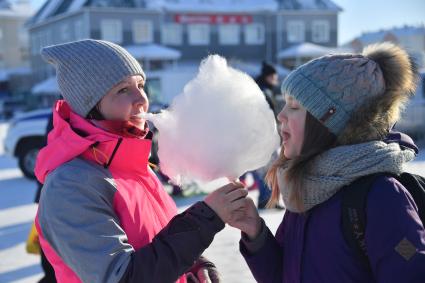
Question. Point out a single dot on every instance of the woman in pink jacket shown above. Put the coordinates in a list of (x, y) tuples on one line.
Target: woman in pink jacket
[(103, 214)]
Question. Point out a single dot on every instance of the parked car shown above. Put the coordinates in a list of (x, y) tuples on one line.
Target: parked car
[(412, 120), (25, 137), (26, 134)]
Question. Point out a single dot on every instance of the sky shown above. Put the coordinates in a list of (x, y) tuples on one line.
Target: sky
[(368, 15)]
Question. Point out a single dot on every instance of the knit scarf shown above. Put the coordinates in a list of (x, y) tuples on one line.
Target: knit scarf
[(328, 172)]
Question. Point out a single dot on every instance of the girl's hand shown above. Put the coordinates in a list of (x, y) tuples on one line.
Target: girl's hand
[(226, 200), (247, 219)]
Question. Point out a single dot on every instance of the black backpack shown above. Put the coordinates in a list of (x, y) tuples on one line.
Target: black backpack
[(354, 198)]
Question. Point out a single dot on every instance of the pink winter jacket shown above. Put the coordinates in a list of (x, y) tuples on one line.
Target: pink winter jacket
[(103, 213)]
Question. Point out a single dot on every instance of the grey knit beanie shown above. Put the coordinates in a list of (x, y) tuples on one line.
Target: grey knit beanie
[(86, 70), (332, 87)]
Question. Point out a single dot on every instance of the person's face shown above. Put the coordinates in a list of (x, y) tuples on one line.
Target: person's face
[(273, 79), (292, 119), (125, 101)]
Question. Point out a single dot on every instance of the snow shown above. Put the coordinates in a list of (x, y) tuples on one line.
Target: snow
[(254, 68), (6, 73), (230, 6), (318, 5), (153, 52), (49, 85), (305, 49), (76, 5), (48, 10), (15, 221), (377, 36)]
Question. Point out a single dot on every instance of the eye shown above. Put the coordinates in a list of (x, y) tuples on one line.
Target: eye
[(123, 90), (140, 86)]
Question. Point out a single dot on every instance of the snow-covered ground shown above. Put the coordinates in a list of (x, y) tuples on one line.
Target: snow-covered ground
[(17, 212)]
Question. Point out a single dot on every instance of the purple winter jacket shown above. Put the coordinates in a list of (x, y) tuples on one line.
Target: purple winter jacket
[(310, 247)]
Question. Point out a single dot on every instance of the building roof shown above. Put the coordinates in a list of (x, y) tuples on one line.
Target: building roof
[(377, 36), (6, 73), (49, 85), (153, 52), (231, 6), (10, 9), (305, 49), (52, 8), (309, 5)]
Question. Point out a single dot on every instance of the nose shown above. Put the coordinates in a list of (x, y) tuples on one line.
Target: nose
[(140, 98), (281, 117)]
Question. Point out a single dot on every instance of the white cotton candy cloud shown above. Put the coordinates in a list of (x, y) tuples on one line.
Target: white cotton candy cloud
[(220, 126)]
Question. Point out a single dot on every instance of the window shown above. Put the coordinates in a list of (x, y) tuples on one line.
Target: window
[(171, 34), (111, 30), (254, 34), (320, 31), (23, 37), (228, 34), (142, 32), (79, 30), (295, 31), (199, 34), (65, 33), (35, 44)]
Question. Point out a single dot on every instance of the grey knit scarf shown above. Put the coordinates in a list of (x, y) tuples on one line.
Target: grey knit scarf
[(330, 171)]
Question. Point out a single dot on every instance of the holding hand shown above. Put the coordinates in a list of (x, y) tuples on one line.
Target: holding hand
[(226, 200), (233, 207), (247, 219)]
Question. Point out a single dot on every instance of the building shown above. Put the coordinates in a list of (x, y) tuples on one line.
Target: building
[(15, 73), (410, 37), (244, 30), (13, 36)]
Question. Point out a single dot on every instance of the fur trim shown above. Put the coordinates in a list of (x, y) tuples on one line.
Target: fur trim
[(375, 117)]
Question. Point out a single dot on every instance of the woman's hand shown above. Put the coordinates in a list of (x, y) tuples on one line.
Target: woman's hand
[(247, 219), (226, 200)]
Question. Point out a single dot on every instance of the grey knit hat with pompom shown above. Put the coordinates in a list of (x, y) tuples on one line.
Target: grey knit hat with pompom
[(333, 88)]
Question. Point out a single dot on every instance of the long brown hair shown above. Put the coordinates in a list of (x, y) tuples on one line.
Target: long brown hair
[(317, 138)]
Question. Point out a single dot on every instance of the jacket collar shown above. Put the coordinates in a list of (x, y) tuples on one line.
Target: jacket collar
[(73, 136)]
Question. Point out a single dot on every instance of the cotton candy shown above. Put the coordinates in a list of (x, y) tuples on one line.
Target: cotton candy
[(219, 126)]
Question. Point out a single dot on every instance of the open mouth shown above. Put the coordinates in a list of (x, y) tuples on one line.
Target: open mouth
[(285, 136)]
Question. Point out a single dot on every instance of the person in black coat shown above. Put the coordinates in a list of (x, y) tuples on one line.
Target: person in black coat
[(49, 273)]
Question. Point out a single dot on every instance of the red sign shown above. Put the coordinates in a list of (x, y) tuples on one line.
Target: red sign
[(212, 19)]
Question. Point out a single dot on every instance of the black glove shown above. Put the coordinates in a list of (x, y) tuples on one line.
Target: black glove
[(203, 263)]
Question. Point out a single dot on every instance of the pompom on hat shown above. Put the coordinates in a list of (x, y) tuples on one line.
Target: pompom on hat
[(87, 69)]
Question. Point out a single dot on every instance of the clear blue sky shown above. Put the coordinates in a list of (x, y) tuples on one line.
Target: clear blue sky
[(368, 15)]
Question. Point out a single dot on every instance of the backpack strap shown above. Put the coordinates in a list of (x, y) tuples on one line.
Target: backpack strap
[(353, 205), (415, 184)]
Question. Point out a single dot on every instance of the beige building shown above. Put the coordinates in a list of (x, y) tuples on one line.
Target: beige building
[(410, 37), (13, 36)]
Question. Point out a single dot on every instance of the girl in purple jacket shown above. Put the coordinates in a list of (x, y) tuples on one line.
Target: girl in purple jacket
[(339, 109)]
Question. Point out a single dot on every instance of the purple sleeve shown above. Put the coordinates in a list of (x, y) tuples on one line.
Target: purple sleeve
[(395, 236), (270, 251)]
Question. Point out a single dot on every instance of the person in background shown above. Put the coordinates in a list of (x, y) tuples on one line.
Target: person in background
[(49, 273), (268, 81)]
